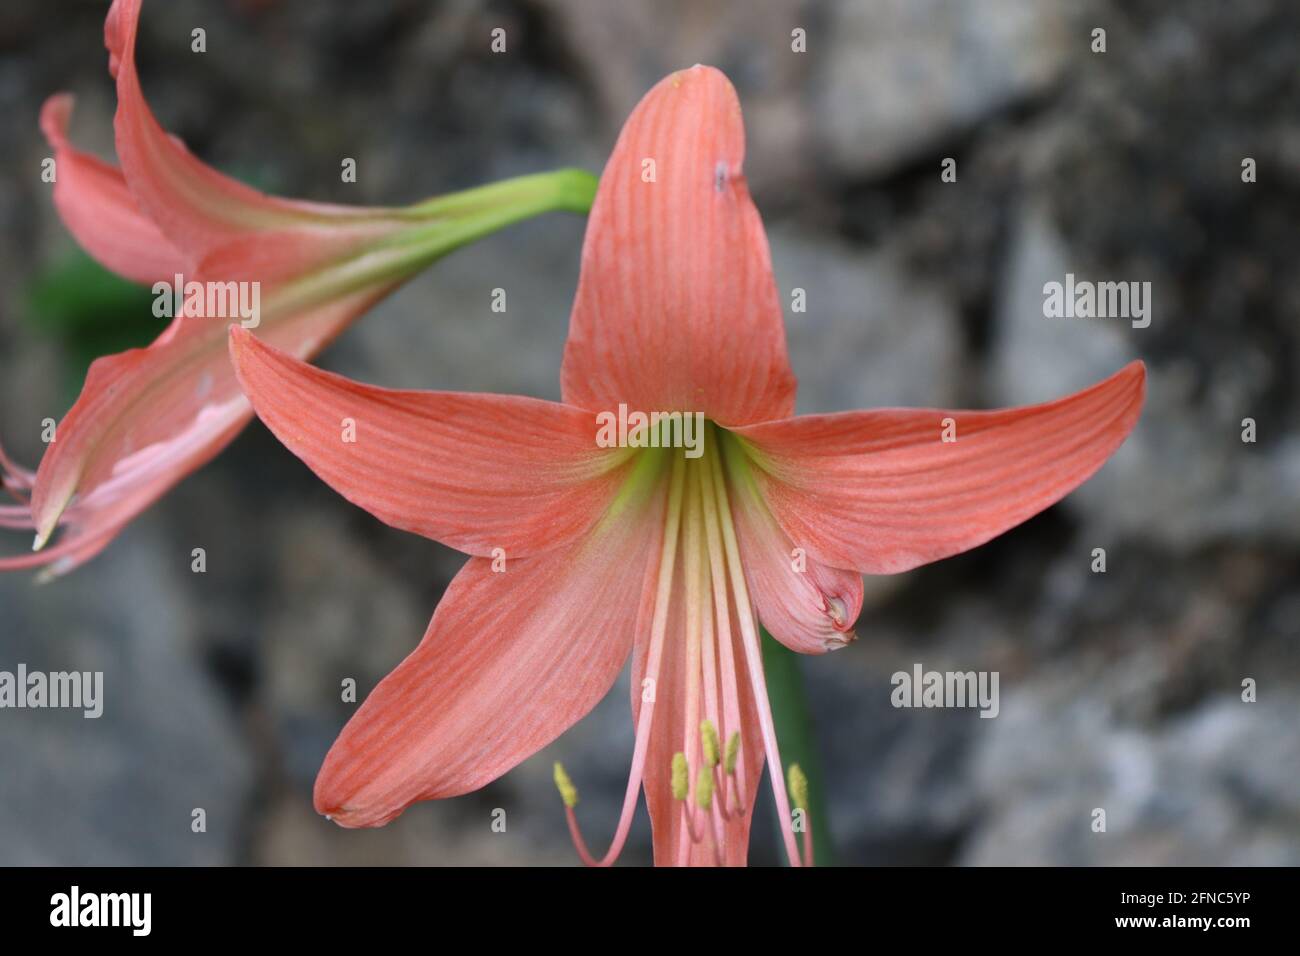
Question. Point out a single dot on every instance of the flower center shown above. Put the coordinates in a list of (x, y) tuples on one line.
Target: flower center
[(715, 658)]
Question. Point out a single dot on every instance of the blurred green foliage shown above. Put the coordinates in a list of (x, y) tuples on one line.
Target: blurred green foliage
[(797, 737), (89, 312)]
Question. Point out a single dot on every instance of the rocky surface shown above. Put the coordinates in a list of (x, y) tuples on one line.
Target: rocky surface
[(1119, 691)]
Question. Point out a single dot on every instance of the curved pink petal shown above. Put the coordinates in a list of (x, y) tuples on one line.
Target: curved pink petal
[(148, 417), (510, 661), (157, 413), (881, 492), (808, 606), (135, 483), (202, 211), (677, 308), (94, 203), (477, 472)]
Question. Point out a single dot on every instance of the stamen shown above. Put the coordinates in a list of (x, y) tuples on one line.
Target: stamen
[(704, 788), (16, 491), (798, 786), (726, 656), (709, 742), (728, 773), (704, 800), (718, 509), (712, 757), (568, 792), (708, 656), (718, 859), (733, 749), (17, 517), (16, 477), (658, 625), (681, 782), (688, 827), (694, 614), (56, 559), (799, 794), (681, 786)]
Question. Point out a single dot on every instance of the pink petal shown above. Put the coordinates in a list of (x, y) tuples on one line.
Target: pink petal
[(510, 661), (474, 471), (137, 481), (677, 309), (94, 203), (880, 492), (148, 417), (808, 606), (199, 209)]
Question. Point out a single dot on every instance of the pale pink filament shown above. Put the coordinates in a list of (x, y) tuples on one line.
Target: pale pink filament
[(659, 624), (705, 502)]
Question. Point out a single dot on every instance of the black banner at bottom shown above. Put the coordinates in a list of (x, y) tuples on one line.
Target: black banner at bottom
[(343, 906)]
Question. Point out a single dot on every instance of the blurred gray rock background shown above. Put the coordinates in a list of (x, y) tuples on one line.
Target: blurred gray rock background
[(1119, 690)]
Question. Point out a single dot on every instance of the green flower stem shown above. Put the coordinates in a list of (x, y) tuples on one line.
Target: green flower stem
[(439, 226), (570, 189), (796, 735)]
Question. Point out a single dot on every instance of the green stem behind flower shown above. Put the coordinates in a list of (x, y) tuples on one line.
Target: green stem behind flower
[(568, 189), (796, 735), (439, 226)]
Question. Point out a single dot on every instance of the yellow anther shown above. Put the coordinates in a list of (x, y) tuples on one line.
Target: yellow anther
[(709, 743), (681, 776), (704, 788), (568, 792), (733, 751), (798, 784)]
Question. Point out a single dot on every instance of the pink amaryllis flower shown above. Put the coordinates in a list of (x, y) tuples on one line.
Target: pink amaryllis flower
[(583, 555), (148, 417)]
